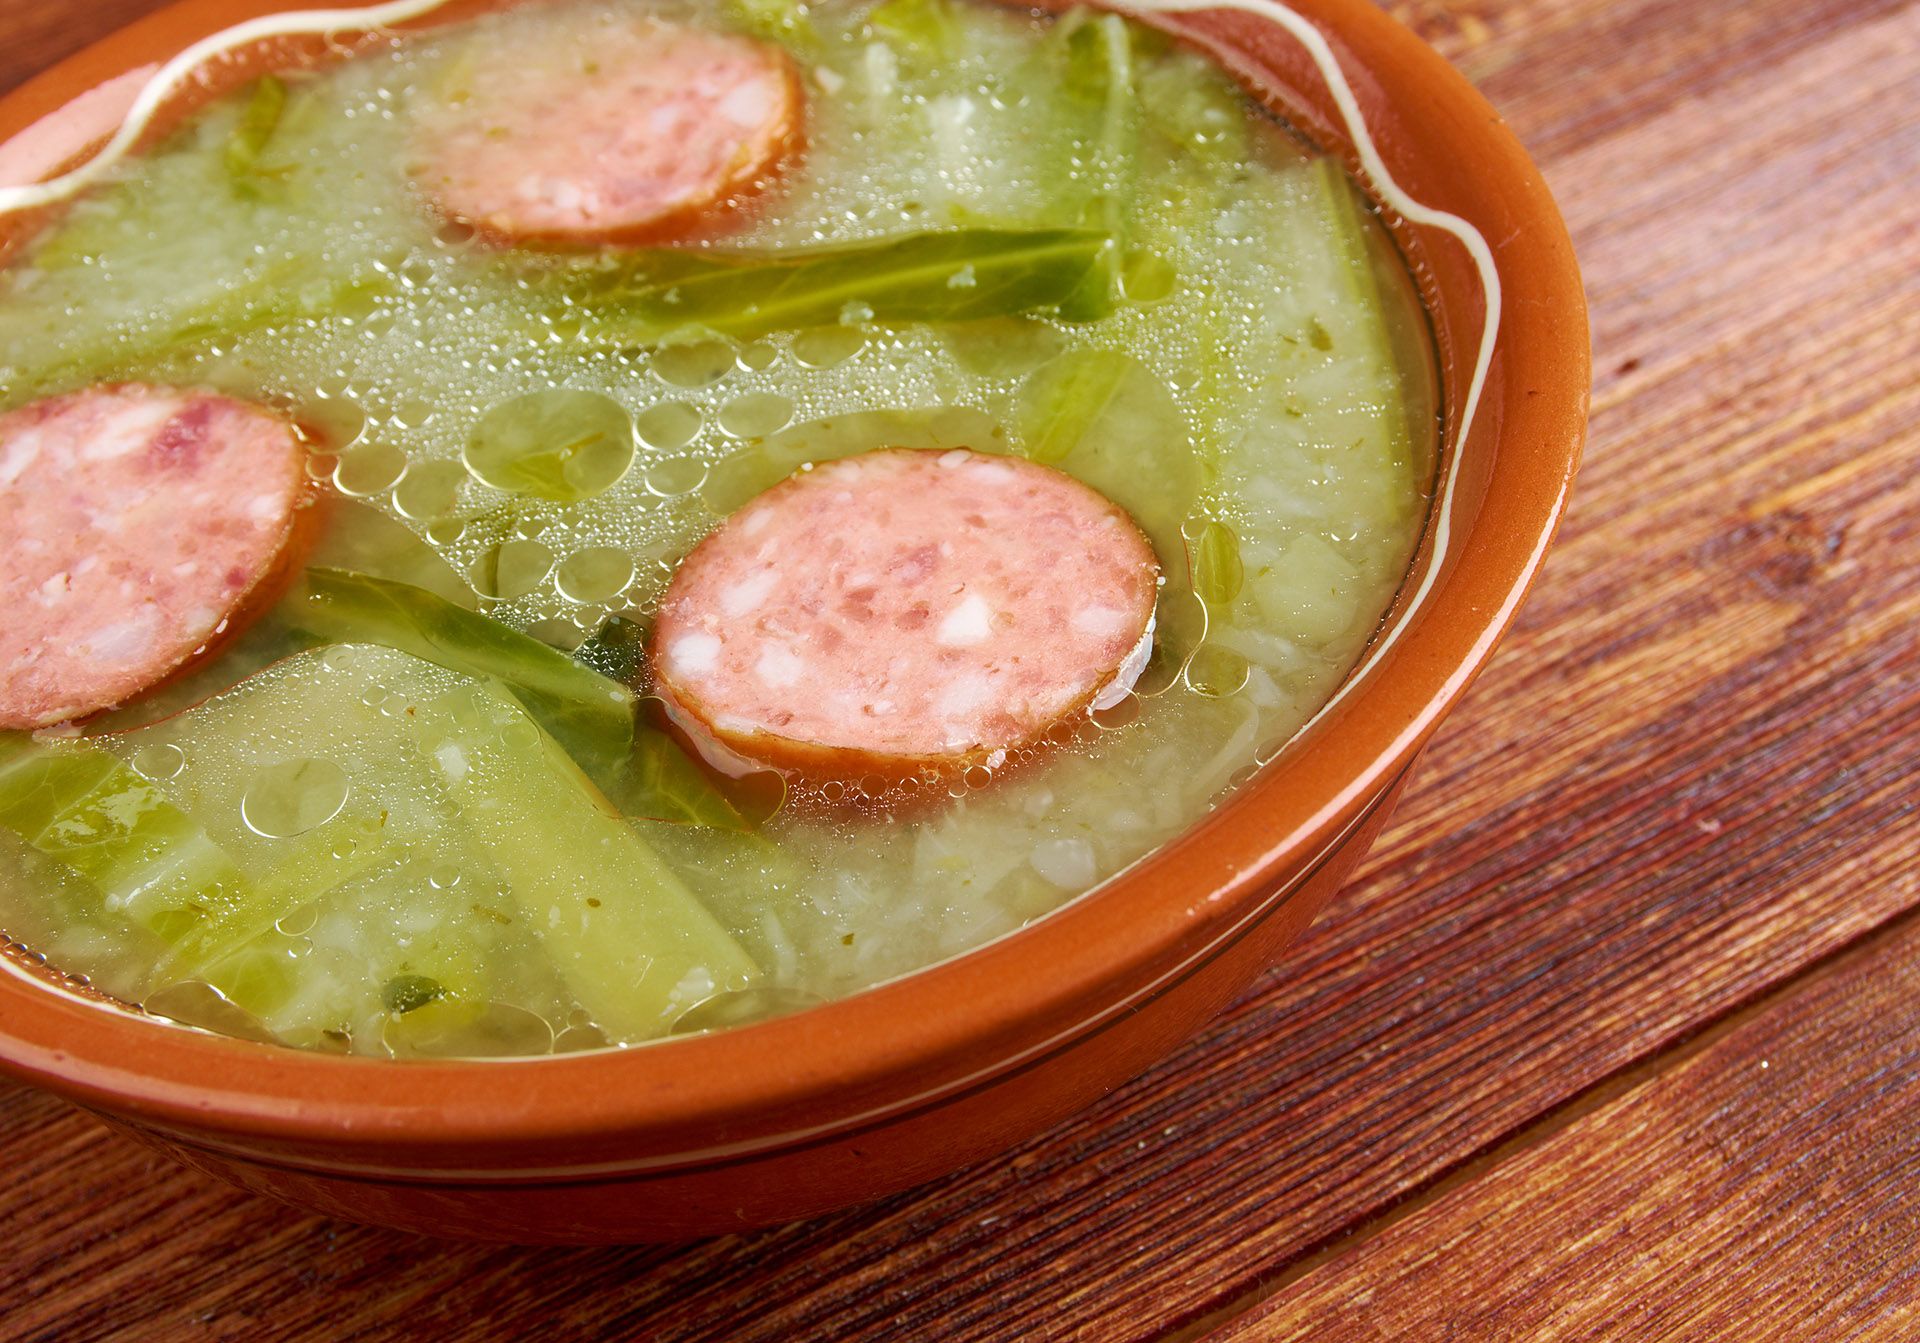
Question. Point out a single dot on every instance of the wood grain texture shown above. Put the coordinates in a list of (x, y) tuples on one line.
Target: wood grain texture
[(1688, 777), (1761, 1189), (36, 33)]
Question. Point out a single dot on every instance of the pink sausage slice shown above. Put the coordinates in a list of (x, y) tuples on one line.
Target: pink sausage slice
[(610, 132), (135, 522), (904, 609)]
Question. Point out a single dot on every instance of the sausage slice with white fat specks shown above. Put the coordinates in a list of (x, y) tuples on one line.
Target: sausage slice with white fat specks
[(608, 129), (136, 524), (902, 610)]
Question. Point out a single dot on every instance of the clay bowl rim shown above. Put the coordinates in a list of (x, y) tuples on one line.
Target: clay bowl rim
[(939, 1030)]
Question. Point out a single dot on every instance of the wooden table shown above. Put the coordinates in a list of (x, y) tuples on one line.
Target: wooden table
[(1618, 1033)]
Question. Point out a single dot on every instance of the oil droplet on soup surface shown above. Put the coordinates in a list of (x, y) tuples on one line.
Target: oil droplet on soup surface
[(293, 797), (737, 1007), (596, 574), (695, 364), (337, 424), (430, 490), (755, 415), (669, 425), (676, 476), (299, 921), (159, 761), (758, 356), (373, 468), (557, 444), (824, 347), (1217, 672), (511, 569)]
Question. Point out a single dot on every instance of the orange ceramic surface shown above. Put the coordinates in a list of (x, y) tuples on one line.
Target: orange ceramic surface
[(905, 1081)]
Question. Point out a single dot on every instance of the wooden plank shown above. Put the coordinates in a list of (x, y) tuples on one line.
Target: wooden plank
[(40, 32), (1762, 1188), (1687, 777), (1623, 64)]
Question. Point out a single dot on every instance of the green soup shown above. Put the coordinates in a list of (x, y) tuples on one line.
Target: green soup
[(423, 807)]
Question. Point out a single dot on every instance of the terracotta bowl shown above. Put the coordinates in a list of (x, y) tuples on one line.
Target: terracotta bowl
[(912, 1079)]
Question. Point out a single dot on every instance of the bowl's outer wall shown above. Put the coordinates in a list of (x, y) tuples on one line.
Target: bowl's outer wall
[(899, 1083)]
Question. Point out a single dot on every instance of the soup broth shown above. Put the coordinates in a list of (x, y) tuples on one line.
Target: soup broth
[(363, 841)]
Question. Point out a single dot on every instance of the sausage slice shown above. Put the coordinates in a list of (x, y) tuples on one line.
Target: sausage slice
[(901, 610), (598, 132), (135, 522)]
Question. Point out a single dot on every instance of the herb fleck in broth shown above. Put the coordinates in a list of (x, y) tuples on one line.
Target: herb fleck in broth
[(1111, 264)]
